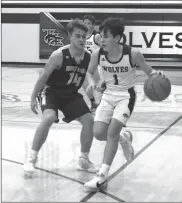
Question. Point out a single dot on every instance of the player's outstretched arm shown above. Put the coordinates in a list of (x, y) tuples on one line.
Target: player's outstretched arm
[(138, 58)]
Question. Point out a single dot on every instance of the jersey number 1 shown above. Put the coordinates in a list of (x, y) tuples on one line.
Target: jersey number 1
[(115, 79)]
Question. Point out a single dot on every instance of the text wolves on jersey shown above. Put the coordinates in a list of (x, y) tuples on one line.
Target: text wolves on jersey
[(115, 69)]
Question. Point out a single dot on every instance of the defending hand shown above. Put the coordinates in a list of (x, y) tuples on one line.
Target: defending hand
[(101, 87), (34, 106)]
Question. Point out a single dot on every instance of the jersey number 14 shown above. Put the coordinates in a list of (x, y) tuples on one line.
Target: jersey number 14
[(74, 79)]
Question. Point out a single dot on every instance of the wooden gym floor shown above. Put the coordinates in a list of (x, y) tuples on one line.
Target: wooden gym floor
[(154, 175)]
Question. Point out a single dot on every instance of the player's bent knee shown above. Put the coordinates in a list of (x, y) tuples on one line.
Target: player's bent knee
[(49, 116), (114, 129), (100, 130)]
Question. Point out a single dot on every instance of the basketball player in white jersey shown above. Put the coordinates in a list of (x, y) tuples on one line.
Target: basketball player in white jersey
[(93, 42), (118, 62)]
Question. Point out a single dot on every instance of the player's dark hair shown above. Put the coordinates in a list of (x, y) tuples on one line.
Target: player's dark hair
[(90, 18), (76, 23), (114, 25)]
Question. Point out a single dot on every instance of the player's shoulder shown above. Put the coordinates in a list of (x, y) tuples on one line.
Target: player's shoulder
[(135, 53), (60, 50), (134, 50), (127, 49), (64, 48), (136, 56), (57, 55)]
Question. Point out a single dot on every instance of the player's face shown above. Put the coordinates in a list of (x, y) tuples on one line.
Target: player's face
[(108, 41), (89, 24), (78, 38)]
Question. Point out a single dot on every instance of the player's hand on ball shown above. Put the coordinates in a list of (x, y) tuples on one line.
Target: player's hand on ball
[(157, 88), (161, 72), (158, 72)]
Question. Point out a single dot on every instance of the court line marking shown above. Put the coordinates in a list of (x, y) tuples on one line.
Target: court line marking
[(112, 196), (75, 124), (66, 177), (48, 171), (110, 177), (91, 194)]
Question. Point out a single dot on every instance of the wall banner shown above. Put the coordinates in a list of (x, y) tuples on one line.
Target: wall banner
[(52, 35)]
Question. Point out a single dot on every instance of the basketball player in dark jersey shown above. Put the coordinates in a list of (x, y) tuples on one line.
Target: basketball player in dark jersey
[(62, 77)]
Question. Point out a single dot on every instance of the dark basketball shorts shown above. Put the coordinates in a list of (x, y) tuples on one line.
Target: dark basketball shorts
[(72, 106)]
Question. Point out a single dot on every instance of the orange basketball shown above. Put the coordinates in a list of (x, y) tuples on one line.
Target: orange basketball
[(157, 88)]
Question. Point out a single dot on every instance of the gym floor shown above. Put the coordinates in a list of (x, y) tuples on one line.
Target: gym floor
[(153, 175)]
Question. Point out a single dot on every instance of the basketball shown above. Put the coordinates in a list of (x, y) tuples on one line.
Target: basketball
[(157, 88)]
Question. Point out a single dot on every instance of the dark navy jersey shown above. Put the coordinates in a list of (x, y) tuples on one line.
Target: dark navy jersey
[(68, 78)]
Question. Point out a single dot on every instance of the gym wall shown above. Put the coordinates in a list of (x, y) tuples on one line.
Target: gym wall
[(155, 30)]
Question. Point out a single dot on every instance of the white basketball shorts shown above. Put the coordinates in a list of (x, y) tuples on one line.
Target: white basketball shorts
[(119, 107)]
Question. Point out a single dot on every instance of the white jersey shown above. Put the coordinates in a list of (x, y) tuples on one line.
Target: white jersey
[(90, 45), (119, 76)]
